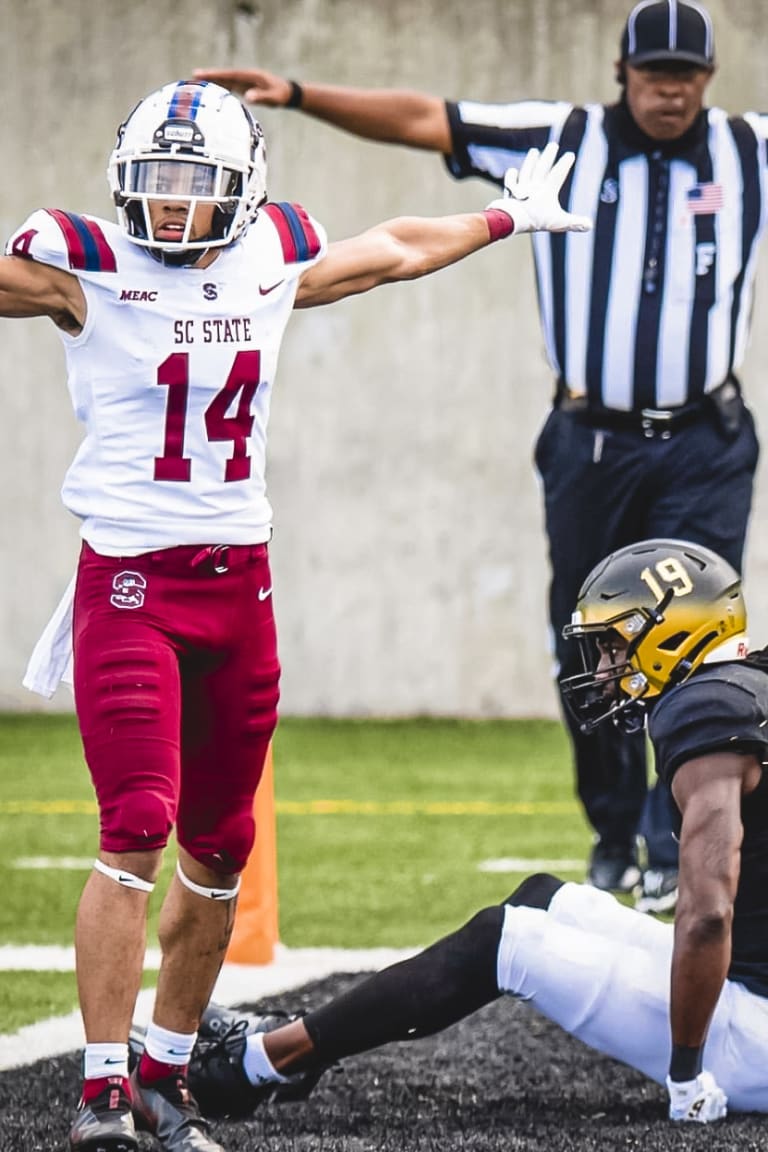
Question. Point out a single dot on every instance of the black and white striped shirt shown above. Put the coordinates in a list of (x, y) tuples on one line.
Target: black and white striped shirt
[(651, 309)]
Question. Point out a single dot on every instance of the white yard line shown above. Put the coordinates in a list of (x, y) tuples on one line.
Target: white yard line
[(526, 864), (53, 863), (237, 984), (49, 958), (503, 864)]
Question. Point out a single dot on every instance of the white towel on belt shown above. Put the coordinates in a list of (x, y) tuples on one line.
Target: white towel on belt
[(51, 659)]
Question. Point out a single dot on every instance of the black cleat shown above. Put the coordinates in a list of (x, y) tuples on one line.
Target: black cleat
[(218, 1020), (105, 1124), (613, 867), (216, 1073), (659, 891), (168, 1110)]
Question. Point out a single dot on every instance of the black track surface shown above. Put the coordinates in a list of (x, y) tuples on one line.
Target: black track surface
[(504, 1080)]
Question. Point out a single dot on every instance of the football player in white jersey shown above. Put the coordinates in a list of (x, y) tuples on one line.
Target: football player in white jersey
[(171, 321)]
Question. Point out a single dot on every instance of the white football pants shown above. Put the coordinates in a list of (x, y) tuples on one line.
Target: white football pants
[(602, 972)]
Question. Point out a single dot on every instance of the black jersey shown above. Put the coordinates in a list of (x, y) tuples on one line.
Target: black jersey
[(724, 707)]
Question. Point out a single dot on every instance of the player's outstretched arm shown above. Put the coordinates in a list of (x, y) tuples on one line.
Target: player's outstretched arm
[(31, 289), (396, 116), (410, 247)]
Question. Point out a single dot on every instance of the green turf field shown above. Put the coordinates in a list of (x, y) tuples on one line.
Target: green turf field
[(381, 827)]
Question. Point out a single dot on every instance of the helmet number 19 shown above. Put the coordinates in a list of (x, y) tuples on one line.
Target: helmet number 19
[(671, 572)]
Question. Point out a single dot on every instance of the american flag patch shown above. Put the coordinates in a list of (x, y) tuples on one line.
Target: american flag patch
[(704, 199)]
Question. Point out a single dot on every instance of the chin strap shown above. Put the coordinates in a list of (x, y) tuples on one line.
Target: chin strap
[(630, 718), (184, 258), (627, 715)]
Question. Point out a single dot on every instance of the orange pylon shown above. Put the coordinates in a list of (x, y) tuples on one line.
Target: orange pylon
[(256, 931)]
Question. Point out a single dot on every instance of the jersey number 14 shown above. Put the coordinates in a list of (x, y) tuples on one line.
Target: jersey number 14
[(239, 390)]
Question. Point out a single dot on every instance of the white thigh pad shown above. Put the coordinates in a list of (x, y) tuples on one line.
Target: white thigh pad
[(613, 996)]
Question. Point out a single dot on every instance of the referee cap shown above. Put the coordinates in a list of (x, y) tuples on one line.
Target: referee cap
[(673, 30)]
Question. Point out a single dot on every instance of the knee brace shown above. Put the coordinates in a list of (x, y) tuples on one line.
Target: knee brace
[(123, 877), (209, 893), (535, 891)]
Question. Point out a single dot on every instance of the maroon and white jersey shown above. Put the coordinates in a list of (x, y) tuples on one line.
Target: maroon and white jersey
[(172, 377)]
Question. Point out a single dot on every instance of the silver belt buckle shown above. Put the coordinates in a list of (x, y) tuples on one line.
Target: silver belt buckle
[(220, 558), (652, 417)]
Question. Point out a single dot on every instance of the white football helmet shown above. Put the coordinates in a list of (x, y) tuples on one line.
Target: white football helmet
[(193, 142)]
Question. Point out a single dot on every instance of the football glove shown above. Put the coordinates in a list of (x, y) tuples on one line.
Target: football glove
[(531, 194), (699, 1100)]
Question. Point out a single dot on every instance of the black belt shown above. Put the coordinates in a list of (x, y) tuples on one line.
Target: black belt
[(650, 421)]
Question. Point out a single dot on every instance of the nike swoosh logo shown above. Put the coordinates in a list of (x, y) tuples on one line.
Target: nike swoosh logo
[(265, 593), (220, 895), (109, 1060), (271, 288)]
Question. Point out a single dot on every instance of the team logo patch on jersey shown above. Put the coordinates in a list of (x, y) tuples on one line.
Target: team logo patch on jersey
[(128, 590), (142, 295)]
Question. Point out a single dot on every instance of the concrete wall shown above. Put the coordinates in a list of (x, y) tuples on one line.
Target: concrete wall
[(409, 553)]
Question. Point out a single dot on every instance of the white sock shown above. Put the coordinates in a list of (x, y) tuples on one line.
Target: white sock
[(102, 1060), (257, 1065), (169, 1047)]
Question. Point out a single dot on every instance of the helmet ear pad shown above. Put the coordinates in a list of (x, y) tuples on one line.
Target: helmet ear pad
[(222, 219), (135, 218)]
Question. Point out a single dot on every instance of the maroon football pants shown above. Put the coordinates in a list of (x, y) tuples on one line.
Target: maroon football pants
[(176, 687)]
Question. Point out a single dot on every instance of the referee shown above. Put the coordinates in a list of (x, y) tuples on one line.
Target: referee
[(645, 320)]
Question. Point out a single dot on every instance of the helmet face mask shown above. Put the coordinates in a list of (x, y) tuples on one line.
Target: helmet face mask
[(612, 684), (188, 144), (647, 617)]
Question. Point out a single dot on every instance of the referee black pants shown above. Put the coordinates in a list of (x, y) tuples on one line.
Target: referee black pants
[(604, 489)]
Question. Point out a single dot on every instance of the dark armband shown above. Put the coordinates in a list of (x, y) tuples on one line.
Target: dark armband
[(296, 96), (685, 1063)]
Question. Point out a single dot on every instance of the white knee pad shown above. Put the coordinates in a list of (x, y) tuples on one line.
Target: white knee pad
[(582, 905), (209, 893), (585, 907)]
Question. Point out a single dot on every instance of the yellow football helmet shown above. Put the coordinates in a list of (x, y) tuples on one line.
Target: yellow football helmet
[(665, 607)]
